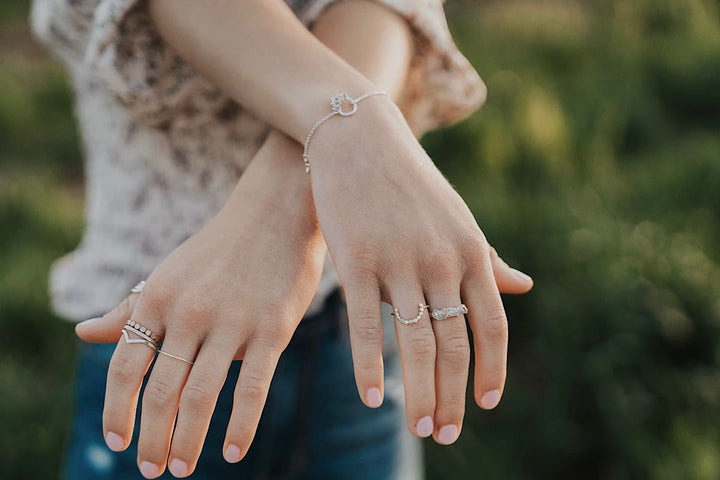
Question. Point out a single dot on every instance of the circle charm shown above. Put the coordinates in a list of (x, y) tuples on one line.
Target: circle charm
[(337, 101)]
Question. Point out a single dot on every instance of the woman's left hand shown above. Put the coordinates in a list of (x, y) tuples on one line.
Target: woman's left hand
[(237, 289)]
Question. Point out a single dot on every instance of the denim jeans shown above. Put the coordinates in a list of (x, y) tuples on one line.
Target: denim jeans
[(314, 425)]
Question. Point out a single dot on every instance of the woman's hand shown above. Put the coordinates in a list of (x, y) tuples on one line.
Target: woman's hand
[(397, 231), (235, 290)]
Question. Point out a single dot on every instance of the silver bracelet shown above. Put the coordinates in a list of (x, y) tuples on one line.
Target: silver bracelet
[(336, 104)]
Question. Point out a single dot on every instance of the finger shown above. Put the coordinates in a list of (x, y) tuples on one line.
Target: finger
[(160, 402), (488, 322), (366, 338), (126, 371), (508, 279), (417, 353), (197, 403), (107, 329), (251, 391), (451, 365)]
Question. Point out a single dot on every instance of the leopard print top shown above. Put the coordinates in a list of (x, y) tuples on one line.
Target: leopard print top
[(164, 147)]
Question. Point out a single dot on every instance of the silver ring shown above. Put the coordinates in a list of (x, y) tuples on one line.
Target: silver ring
[(175, 357), (138, 288), (144, 338), (421, 310), (447, 312)]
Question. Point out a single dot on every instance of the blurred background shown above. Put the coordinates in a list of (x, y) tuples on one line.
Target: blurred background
[(594, 166)]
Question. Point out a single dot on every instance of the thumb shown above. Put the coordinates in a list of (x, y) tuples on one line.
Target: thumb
[(106, 329), (508, 279)]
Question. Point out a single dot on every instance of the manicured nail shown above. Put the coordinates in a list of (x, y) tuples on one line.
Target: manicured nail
[(90, 321), (522, 276), (114, 442), (424, 427), (490, 399), (373, 397), (447, 434), (149, 470), (232, 454), (178, 468)]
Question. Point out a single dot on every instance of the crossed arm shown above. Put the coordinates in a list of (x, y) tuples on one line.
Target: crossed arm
[(396, 231)]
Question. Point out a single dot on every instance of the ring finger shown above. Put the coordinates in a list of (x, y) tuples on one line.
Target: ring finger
[(451, 365)]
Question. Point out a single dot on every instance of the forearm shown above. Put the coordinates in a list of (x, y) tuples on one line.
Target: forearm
[(262, 56)]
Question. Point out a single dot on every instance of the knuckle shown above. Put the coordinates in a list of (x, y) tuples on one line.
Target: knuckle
[(495, 327), (475, 247), (365, 330), (422, 345), (455, 351), (154, 299), (363, 258), (195, 309), (158, 394), (200, 393), (253, 388), (270, 339), (122, 371), (444, 264)]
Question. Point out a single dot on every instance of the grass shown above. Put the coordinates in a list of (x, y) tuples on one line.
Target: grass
[(593, 166)]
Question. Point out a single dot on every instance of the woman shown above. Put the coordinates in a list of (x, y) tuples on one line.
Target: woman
[(201, 122)]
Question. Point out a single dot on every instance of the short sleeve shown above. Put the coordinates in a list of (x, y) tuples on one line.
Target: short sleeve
[(442, 87), (125, 51)]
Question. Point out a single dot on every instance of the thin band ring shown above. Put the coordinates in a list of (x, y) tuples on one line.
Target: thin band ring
[(144, 339), (175, 357), (447, 312), (421, 310)]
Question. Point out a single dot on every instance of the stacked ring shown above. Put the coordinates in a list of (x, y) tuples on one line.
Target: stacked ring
[(146, 336)]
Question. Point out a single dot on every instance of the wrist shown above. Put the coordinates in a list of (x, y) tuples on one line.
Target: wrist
[(275, 184), (341, 142)]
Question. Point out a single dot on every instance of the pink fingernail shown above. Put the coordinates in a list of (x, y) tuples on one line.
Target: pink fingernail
[(424, 427), (114, 442), (521, 275), (373, 397), (232, 454), (448, 434), (90, 321), (149, 470), (178, 468), (490, 399)]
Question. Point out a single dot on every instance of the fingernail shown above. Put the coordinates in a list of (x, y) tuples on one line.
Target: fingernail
[(448, 434), (114, 442), (373, 397), (522, 276), (149, 470), (232, 454), (89, 321), (424, 427), (178, 468), (490, 399)]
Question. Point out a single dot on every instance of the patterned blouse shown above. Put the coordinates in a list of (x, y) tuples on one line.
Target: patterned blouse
[(164, 147)]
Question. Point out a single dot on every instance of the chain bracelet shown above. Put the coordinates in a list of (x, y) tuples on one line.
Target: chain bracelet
[(336, 104)]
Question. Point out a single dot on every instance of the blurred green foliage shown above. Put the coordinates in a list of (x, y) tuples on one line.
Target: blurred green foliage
[(594, 166)]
